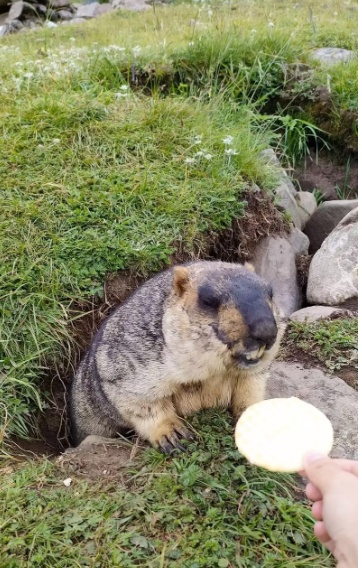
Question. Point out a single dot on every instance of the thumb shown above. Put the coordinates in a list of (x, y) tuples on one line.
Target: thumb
[(321, 470)]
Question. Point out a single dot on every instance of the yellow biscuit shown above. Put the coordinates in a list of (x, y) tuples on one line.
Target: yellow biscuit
[(276, 433)]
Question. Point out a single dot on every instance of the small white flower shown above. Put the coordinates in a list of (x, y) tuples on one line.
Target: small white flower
[(253, 32), (56, 140), (120, 95), (189, 160), (67, 482), (228, 139), (231, 152), (28, 75), (136, 50), (51, 25), (124, 87), (209, 13), (191, 43), (199, 154), (207, 156), (270, 25), (198, 139)]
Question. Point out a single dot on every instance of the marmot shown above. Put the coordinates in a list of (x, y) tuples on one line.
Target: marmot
[(199, 335)]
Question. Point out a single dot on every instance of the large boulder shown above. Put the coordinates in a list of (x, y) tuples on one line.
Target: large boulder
[(274, 260), (330, 394), (284, 189), (333, 271), (325, 219)]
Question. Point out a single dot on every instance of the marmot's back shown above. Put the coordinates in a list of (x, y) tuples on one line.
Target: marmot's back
[(197, 324)]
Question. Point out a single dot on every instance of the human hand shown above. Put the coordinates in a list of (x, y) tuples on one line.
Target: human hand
[(333, 486)]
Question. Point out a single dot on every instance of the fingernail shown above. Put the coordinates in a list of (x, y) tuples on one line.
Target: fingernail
[(312, 456)]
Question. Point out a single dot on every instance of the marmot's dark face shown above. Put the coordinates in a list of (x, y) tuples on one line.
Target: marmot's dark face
[(236, 307)]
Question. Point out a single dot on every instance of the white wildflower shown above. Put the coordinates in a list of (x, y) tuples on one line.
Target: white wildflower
[(231, 152), (56, 140), (124, 87), (189, 160), (67, 482), (199, 154), (136, 50), (198, 139), (209, 13), (191, 43), (228, 140), (207, 156), (28, 75), (271, 25)]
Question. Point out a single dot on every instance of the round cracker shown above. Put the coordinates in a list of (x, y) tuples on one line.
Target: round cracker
[(277, 433)]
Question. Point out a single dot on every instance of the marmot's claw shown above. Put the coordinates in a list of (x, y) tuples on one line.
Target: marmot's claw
[(165, 446), (184, 433)]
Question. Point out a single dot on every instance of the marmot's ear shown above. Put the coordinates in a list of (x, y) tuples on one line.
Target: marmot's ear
[(180, 279), (249, 266)]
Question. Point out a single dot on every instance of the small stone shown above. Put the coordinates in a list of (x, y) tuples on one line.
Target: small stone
[(330, 56), (51, 25), (315, 313), (65, 14), (298, 241), (67, 482)]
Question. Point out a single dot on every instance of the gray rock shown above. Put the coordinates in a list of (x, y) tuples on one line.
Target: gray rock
[(58, 3), (330, 394), (274, 260), (16, 10), (307, 205), (104, 9), (88, 10), (14, 26), (332, 55), (75, 21), (4, 30), (316, 313), (284, 189), (65, 14), (333, 271), (325, 219), (298, 241)]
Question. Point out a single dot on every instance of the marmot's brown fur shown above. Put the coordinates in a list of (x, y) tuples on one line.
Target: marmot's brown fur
[(198, 335)]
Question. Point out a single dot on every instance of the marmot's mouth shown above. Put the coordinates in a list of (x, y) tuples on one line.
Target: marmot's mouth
[(250, 359), (246, 361)]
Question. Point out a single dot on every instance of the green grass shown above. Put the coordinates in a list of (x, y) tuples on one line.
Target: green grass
[(204, 508), (333, 343)]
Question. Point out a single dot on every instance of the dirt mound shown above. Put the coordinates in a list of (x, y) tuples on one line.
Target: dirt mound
[(111, 461)]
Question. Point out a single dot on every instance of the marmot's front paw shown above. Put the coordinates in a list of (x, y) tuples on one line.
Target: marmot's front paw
[(167, 435)]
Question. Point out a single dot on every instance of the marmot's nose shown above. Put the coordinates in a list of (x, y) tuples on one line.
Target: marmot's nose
[(264, 331)]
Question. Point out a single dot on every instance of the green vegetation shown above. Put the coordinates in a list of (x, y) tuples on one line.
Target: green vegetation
[(98, 176), (204, 508), (333, 343)]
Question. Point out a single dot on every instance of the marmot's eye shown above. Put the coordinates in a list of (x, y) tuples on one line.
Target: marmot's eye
[(208, 298)]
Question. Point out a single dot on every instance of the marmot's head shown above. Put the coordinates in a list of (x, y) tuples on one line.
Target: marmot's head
[(232, 308)]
